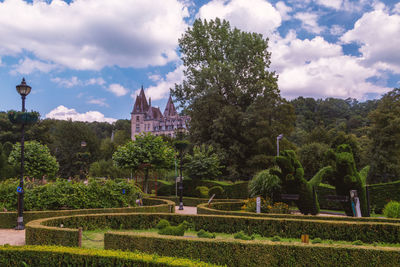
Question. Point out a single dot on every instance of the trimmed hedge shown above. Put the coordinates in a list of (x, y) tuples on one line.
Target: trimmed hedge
[(381, 194), (254, 253), (62, 256), (9, 219), (194, 201), (233, 209), (45, 231)]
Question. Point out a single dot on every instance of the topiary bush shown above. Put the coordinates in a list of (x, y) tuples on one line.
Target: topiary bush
[(217, 190), (241, 235), (162, 224), (175, 230), (205, 234), (201, 191), (291, 174), (392, 209)]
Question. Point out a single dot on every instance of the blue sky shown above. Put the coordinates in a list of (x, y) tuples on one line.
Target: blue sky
[(87, 59)]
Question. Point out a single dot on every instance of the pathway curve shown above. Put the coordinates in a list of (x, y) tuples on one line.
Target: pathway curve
[(186, 210)]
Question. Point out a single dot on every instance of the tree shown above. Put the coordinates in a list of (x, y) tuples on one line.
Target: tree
[(147, 152), (232, 98), (203, 164), (38, 160), (311, 157), (385, 139)]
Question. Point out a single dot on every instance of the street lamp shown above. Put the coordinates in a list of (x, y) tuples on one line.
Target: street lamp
[(23, 89), (180, 145), (279, 137)]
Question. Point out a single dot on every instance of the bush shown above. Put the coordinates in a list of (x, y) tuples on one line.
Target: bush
[(316, 240), (251, 205), (62, 256), (162, 224), (174, 230), (276, 238), (392, 209), (357, 243), (205, 234), (244, 253), (241, 235), (201, 191), (264, 184), (217, 190)]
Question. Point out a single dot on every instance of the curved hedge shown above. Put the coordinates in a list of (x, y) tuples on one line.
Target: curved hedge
[(232, 209), (63, 256), (194, 201), (9, 219), (48, 231), (254, 253)]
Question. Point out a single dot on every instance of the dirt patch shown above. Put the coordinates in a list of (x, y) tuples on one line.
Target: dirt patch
[(12, 237)]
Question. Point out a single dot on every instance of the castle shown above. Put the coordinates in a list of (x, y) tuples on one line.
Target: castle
[(148, 119)]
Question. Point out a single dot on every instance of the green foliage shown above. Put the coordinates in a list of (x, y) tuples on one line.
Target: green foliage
[(276, 238), (264, 184), (291, 174), (22, 117), (107, 168), (241, 235), (38, 160), (244, 253), (345, 177), (162, 224), (205, 234), (147, 152), (203, 164), (385, 135), (316, 240), (357, 243), (53, 256), (392, 209), (201, 191), (227, 78), (217, 190), (174, 230), (311, 157)]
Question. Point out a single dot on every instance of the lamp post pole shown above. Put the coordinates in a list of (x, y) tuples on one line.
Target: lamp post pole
[(279, 137), (23, 89)]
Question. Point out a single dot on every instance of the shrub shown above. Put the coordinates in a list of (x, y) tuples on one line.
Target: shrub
[(264, 184), (205, 234), (357, 243), (217, 190), (276, 238), (175, 230), (201, 191), (279, 208), (251, 205), (392, 209), (241, 235), (316, 240), (162, 224)]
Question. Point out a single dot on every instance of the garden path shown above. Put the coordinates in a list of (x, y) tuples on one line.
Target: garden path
[(12, 237), (186, 210)]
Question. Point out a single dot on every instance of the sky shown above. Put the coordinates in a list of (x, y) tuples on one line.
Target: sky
[(87, 59)]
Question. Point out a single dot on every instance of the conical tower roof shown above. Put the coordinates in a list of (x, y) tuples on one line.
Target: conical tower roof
[(170, 108), (141, 105)]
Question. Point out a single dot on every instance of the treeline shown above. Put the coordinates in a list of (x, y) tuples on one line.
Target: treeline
[(371, 128)]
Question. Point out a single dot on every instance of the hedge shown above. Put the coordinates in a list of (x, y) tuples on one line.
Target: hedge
[(63, 256), (47, 231), (233, 209), (9, 219), (194, 201), (254, 253)]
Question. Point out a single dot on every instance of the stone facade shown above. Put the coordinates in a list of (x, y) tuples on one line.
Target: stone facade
[(148, 119)]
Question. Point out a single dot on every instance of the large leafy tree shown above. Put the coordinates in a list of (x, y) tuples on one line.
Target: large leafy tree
[(385, 135), (38, 160), (147, 152), (204, 163), (233, 100)]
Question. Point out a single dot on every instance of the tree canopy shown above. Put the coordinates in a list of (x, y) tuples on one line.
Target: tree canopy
[(233, 100)]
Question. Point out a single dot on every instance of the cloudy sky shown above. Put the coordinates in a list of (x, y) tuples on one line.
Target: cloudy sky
[(87, 59)]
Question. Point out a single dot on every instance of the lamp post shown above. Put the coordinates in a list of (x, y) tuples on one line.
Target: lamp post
[(180, 145), (279, 137), (23, 89)]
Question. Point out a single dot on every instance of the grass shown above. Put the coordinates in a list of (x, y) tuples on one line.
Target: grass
[(90, 239)]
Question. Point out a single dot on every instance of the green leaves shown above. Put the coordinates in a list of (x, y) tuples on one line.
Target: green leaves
[(203, 164)]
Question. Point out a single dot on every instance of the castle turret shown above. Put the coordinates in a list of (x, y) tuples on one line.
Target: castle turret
[(170, 109)]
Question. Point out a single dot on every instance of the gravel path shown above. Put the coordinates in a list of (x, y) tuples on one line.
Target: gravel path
[(12, 237), (186, 210)]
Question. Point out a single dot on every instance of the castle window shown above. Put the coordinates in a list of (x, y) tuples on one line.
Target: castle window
[(137, 118), (137, 129)]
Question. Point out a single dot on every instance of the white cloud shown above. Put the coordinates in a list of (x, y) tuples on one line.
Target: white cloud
[(92, 34), (95, 81), (98, 101), (256, 15), (337, 30), (64, 113), (117, 89), (377, 34), (73, 81), (336, 4), (396, 8), (284, 10), (27, 66), (162, 88), (309, 22)]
